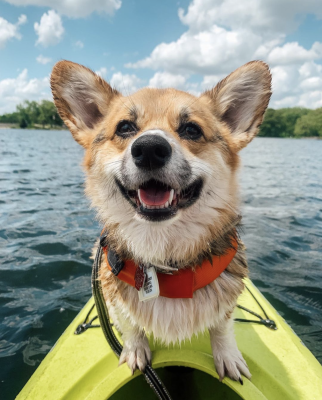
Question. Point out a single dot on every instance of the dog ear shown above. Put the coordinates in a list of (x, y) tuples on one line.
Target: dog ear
[(240, 101), (81, 97)]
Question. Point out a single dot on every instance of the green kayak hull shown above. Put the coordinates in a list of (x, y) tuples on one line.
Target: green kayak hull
[(84, 367)]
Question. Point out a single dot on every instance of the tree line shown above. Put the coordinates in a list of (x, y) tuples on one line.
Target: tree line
[(284, 122), (32, 114), (292, 122)]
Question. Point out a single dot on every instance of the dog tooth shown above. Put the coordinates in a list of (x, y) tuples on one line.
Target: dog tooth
[(171, 196), (167, 204), (162, 206), (139, 194)]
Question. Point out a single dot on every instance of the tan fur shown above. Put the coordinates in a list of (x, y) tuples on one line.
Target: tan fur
[(229, 116)]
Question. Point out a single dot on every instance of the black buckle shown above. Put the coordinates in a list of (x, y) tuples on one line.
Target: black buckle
[(115, 262)]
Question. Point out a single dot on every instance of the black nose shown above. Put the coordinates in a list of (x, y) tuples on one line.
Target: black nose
[(151, 151)]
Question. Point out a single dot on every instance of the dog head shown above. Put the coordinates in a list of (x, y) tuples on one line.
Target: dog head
[(161, 164)]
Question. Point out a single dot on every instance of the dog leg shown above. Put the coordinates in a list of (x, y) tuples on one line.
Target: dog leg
[(228, 359), (136, 351)]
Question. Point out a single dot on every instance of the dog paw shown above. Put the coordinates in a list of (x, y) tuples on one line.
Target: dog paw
[(230, 362), (136, 353)]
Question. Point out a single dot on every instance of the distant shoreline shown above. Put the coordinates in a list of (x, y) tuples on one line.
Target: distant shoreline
[(290, 137), (8, 126), (14, 126)]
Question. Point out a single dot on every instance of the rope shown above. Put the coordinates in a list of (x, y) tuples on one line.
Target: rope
[(269, 323), (86, 325), (149, 374)]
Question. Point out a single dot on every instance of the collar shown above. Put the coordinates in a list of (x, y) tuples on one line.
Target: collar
[(181, 284)]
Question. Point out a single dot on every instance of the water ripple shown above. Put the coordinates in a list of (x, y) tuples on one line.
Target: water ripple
[(47, 231)]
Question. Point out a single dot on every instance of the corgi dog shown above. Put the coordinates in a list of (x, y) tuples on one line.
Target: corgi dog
[(161, 172)]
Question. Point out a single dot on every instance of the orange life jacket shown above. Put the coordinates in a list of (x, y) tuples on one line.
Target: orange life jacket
[(182, 283)]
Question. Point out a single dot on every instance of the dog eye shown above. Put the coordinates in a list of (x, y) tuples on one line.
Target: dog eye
[(125, 129), (190, 131)]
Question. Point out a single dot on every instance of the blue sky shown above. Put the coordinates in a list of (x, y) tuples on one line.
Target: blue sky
[(190, 45)]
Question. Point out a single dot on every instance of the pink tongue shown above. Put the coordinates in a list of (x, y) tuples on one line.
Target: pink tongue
[(154, 196)]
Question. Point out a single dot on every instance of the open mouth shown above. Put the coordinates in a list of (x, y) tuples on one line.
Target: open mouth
[(157, 201)]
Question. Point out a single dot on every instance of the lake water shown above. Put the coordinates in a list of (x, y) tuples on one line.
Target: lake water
[(47, 231)]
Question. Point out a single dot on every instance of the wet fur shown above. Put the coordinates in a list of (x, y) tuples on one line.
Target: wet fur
[(229, 115)]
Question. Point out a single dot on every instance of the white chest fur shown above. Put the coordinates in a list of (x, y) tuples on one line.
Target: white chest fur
[(173, 320)]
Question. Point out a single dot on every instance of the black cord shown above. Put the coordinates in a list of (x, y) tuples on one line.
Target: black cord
[(269, 323), (257, 302), (150, 375), (86, 325)]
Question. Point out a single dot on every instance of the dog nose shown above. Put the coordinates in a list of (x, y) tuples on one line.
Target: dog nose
[(151, 152)]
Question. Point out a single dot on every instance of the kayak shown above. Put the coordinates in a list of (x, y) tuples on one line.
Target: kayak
[(82, 366)]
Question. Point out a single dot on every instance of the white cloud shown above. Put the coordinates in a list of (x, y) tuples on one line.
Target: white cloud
[(311, 99), (125, 83), (224, 34), (293, 53), (293, 86), (9, 31), (102, 72), (50, 30), (14, 91), (206, 52), (221, 35), (22, 19), (79, 44), (210, 81), (311, 84), (73, 8), (309, 69), (166, 80), (267, 18), (43, 60)]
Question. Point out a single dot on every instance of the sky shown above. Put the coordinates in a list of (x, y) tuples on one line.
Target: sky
[(189, 45)]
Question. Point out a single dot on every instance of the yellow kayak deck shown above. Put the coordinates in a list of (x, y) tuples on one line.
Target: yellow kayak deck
[(84, 367)]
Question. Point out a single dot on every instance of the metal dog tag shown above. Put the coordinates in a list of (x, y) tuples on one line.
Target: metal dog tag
[(151, 288)]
